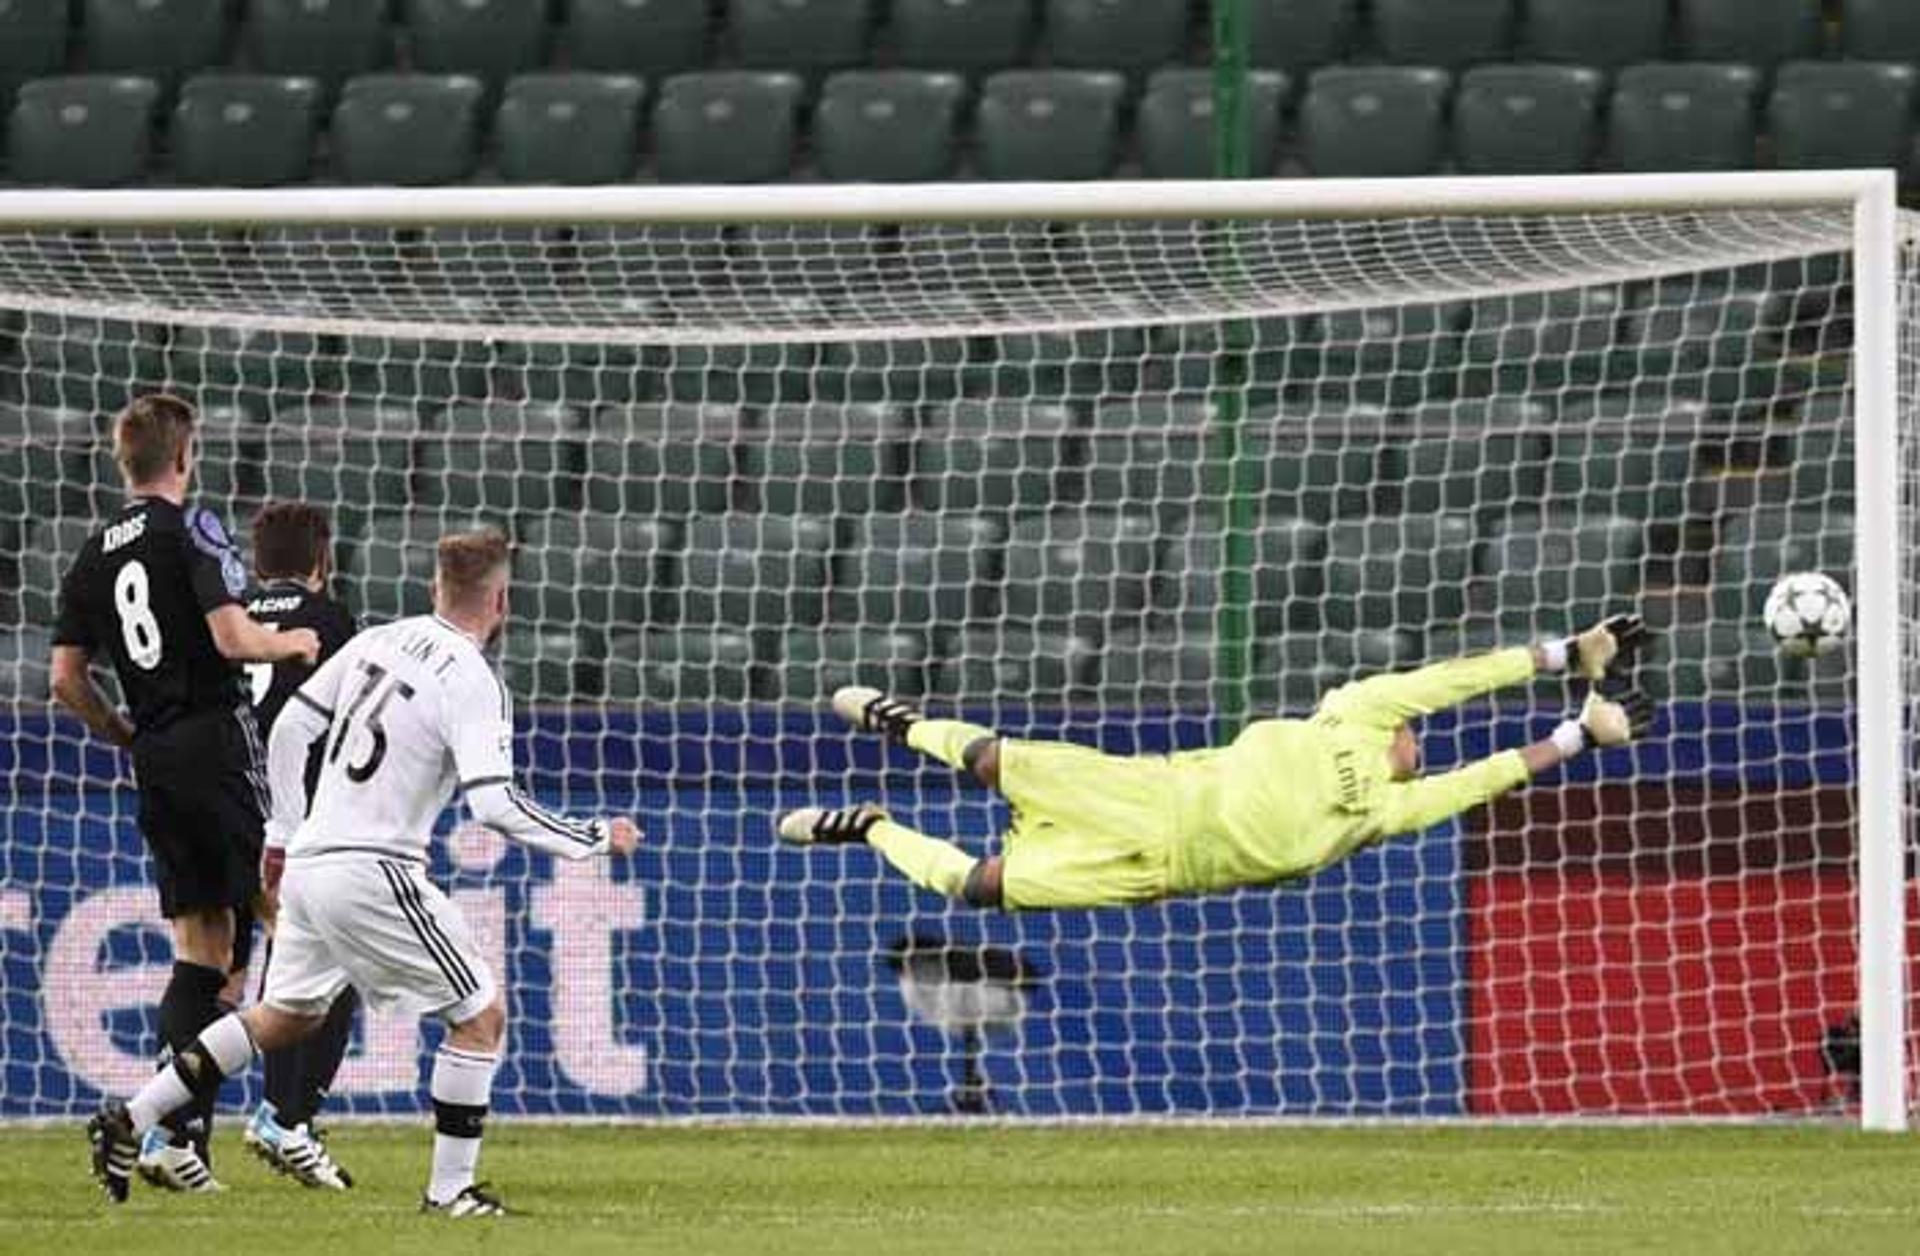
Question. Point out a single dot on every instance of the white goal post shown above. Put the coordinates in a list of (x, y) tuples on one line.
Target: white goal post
[(1118, 277)]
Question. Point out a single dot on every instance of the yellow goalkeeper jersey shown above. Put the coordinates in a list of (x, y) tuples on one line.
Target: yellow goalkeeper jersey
[(1289, 797)]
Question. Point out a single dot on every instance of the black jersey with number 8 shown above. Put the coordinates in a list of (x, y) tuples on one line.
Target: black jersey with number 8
[(140, 591)]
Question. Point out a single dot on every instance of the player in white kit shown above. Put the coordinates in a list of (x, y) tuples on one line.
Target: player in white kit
[(407, 713)]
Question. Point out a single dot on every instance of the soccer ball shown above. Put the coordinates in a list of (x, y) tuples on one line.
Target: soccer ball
[(1808, 613)]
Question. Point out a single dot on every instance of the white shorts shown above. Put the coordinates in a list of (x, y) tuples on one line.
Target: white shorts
[(380, 926)]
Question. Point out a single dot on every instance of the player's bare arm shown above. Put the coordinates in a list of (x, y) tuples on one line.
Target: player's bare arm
[(239, 638), (75, 689)]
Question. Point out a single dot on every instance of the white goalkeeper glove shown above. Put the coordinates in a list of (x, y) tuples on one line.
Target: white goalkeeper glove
[(1607, 648), (1604, 721)]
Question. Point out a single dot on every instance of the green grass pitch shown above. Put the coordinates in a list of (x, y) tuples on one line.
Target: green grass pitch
[(1010, 1191)]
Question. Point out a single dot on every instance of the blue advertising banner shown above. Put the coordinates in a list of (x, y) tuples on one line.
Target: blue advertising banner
[(720, 974)]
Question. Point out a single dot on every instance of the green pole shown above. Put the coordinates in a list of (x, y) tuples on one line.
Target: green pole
[(1231, 478)]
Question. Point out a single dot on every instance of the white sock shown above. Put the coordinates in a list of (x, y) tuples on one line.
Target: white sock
[(462, 1084), (225, 1044)]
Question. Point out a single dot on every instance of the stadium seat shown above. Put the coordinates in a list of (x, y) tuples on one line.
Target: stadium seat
[(1299, 35), (1050, 124), (1823, 470), (36, 42), (25, 666), (992, 455), (683, 666), (726, 127), (655, 37), (1753, 32), (1712, 340), (1526, 119), (1013, 664), (543, 666), (755, 571), (230, 442), (1292, 672), (1447, 33), (407, 129), (802, 35), (594, 571), (662, 460), (1487, 473), (93, 364), (1550, 570), (917, 569), (45, 460), (578, 374), (488, 39), (421, 372), (1408, 572), (967, 35), (880, 125), (569, 129), (89, 131), (355, 457), (1627, 463), (1842, 114), (165, 40), (1149, 451), (329, 41), (1128, 35), (1374, 121), (754, 374), (1537, 341), (1684, 117), (1603, 33), (1287, 573), (1319, 464), (1158, 672), (921, 371), (245, 130), (1084, 573), (390, 573), (1757, 547), (1881, 30), (51, 547), (828, 460), (1176, 125), (501, 459), (1077, 364), (814, 664)]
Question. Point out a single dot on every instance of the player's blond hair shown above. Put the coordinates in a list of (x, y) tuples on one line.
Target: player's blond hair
[(150, 436), (468, 562)]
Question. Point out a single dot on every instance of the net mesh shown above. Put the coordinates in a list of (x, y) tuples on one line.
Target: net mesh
[(1012, 470)]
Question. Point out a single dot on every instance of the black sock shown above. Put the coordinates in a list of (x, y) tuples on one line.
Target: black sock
[(191, 1003), (315, 1060)]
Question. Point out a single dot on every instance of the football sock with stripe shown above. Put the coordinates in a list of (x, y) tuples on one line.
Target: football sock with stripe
[(927, 861), (223, 1049), (947, 740), (462, 1085), (188, 1005)]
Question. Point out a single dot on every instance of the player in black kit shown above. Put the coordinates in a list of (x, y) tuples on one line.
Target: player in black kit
[(158, 590), (292, 563)]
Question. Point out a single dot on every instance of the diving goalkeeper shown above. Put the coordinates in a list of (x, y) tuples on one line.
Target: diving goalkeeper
[(1287, 798)]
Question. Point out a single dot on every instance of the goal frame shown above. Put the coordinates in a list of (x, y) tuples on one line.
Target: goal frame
[(1868, 196)]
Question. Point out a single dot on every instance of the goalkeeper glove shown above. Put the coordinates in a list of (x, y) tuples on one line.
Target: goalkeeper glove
[(1605, 721), (1608, 648)]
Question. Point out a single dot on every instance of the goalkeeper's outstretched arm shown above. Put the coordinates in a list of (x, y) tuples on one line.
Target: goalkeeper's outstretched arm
[(1391, 700), (1410, 806)]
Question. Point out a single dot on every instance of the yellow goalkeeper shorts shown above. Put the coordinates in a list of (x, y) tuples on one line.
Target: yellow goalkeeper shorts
[(1089, 829)]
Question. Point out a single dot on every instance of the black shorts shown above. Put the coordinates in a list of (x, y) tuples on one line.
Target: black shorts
[(203, 798)]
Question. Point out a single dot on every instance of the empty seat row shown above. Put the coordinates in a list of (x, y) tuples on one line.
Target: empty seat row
[(331, 40), (745, 126)]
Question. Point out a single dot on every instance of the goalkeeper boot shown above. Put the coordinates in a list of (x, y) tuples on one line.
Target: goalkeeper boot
[(115, 1148), (475, 1201), (872, 711), (830, 826), (171, 1166)]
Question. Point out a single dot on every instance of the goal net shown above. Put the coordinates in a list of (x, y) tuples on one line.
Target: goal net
[(1122, 477)]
